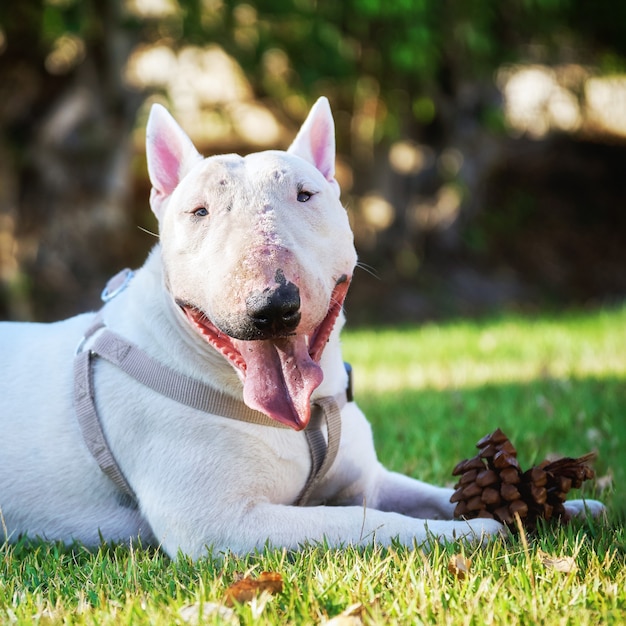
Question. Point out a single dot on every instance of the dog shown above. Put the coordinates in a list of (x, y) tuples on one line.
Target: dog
[(207, 406)]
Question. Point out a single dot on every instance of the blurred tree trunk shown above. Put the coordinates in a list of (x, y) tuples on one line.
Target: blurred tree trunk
[(66, 119)]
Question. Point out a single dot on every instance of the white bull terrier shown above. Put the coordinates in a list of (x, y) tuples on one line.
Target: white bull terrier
[(205, 405)]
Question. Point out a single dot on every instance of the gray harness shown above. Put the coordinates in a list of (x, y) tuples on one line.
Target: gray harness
[(191, 392)]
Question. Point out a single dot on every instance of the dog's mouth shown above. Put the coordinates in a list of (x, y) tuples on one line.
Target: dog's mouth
[(279, 374)]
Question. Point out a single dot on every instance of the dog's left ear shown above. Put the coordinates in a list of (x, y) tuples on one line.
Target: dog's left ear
[(315, 141), (170, 155)]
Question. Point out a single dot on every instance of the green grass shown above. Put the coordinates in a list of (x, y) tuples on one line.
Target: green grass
[(553, 384)]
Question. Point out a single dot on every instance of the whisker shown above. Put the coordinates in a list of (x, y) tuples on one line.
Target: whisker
[(368, 269), (145, 230)]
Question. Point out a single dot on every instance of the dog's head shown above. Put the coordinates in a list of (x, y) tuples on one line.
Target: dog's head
[(257, 253)]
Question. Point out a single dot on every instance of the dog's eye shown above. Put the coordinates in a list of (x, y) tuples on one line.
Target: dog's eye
[(304, 196), (200, 212)]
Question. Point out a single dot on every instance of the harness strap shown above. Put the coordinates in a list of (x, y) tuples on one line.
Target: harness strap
[(190, 392), (167, 382), (322, 455), (90, 426)]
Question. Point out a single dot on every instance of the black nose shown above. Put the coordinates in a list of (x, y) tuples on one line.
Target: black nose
[(275, 312)]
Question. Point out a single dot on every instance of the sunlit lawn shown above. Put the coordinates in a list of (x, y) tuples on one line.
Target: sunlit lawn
[(553, 384)]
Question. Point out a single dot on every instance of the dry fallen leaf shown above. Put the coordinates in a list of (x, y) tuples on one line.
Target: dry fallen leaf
[(349, 617), (564, 564), (345, 620), (459, 566), (246, 589), (193, 613)]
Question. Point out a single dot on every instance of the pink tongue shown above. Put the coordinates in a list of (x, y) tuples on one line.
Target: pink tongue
[(279, 379)]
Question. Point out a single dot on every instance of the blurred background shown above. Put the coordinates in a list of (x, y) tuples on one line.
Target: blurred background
[(481, 143)]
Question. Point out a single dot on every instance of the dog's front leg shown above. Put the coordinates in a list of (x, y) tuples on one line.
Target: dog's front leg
[(265, 523)]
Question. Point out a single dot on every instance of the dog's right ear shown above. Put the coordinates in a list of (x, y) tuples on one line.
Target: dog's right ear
[(170, 155), (315, 141)]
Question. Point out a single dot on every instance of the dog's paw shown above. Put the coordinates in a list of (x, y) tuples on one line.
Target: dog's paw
[(475, 531), (584, 508), (480, 530)]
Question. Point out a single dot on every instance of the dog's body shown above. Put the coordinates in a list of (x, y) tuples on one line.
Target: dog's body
[(242, 293)]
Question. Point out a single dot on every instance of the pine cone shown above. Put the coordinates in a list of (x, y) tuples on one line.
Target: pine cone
[(492, 484)]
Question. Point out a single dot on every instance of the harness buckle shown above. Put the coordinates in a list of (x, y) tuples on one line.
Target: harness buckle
[(117, 284)]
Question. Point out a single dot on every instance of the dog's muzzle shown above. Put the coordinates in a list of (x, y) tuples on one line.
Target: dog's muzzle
[(270, 313)]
